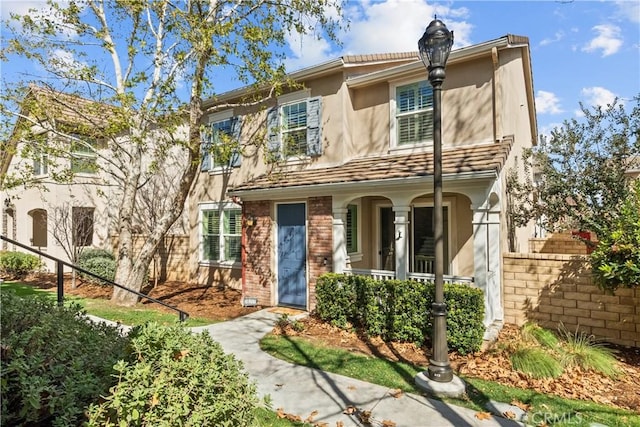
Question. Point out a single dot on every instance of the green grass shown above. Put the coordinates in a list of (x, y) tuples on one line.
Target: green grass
[(555, 411), (536, 362), (131, 316), (268, 418)]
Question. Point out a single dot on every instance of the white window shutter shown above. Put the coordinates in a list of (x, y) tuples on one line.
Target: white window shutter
[(314, 116), (205, 149), (236, 127), (273, 134)]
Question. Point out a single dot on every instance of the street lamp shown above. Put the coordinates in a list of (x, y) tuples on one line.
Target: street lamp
[(434, 47)]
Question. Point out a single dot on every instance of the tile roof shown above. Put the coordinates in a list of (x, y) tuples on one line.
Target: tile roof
[(464, 160)]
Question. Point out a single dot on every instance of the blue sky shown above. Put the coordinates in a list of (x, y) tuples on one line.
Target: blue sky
[(582, 51)]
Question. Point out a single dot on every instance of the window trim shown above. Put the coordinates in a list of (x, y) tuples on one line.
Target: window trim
[(393, 107), (357, 254), (209, 206)]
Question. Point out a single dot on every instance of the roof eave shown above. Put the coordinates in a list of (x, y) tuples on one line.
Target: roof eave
[(332, 187)]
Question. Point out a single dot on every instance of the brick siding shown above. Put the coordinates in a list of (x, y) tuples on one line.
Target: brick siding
[(556, 288), (320, 242), (257, 253)]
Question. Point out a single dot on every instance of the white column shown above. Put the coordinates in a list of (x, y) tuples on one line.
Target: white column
[(402, 240), (339, 240), (481, 257)]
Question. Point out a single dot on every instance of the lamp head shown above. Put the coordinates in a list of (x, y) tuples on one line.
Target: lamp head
[(435, 45)]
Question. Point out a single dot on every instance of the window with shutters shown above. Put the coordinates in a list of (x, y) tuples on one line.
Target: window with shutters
[(294, 128), (352, 228), (221, 234), (412, 110), (221, 143)]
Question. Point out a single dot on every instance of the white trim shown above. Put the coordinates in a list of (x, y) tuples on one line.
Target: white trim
[(219, 116), (294, 97), (224, 205)]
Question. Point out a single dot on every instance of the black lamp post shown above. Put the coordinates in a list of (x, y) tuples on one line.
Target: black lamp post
[(434, 47)]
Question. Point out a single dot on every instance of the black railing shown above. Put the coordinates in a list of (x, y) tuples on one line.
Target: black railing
[(183, 315)]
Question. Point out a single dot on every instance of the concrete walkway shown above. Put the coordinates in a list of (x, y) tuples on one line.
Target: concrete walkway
[(300, 391)]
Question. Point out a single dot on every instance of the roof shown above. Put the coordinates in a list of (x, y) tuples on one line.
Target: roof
[(455, 161)]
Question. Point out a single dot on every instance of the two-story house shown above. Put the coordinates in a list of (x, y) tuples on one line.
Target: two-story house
[(338, 176)]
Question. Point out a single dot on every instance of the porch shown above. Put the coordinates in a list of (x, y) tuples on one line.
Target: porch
[(419, 277)]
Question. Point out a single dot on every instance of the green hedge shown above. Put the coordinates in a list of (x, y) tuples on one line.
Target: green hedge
[(54, 362), (100, 262), (16, 265), (400, 310)]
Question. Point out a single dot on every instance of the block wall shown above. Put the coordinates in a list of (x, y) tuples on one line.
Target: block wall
[(551, 289)]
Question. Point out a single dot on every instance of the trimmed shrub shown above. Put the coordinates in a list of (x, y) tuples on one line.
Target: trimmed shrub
[(174, 377), (400, 310), (103, 267), (16, 265), (95, 253), (54, 362)]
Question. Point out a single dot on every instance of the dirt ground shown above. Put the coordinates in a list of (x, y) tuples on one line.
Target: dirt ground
[(491, 364)]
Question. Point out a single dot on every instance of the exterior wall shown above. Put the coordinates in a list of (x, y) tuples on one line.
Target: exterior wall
[(320, 243), (551, 289), (258, 254), (558, 243)]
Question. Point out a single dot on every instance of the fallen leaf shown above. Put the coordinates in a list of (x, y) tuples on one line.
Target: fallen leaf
[(311, 416), (339, 424), (365, 417), (155, 400), (294, 418), (321, 424), (397, 393), (483, 415), (280, 413), (520, 405), (179, 355), (350, 410), (387, 423), (352, 387), (509, 415)]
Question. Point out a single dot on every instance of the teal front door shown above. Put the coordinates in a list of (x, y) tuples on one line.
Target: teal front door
[(292, 255)]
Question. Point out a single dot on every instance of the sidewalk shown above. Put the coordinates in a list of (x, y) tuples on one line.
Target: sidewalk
[(300, 391)]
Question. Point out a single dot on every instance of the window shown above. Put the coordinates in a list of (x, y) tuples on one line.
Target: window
[(220, 143), (82, 223), (221, 233), (83, 154), (294, 129), (423, 244), (39, 228), (40, 162), (352, 229), (414, 113)]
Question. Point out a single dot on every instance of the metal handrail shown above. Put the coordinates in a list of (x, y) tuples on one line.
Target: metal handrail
[(183, 315)]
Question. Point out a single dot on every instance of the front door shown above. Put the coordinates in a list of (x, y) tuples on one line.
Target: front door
[(387, 242), (292, 255)]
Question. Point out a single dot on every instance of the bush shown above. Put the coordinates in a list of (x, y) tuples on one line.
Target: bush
[(174, 377), (400, 310), (95, 253), (615, 261), (54, 362), (16, 265), (100, 262)]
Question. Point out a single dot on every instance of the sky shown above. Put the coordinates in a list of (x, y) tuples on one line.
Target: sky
[(582, 51)]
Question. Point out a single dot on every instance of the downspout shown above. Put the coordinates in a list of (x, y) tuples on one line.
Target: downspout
[(497, 126)]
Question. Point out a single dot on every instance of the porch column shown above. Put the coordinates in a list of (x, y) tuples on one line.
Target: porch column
[(486, 250), (339, 240), (402, 240)]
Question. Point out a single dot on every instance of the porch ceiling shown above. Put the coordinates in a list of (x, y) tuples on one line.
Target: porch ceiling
[(456, 161)]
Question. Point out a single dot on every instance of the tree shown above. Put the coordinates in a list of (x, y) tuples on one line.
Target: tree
[(581, 171), (146, 66)]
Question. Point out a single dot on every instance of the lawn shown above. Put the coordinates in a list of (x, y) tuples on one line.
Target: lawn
[(544, 409), (103, 308)]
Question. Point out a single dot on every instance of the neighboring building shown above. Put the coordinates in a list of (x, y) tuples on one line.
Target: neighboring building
[(54, 215), (338, 176)]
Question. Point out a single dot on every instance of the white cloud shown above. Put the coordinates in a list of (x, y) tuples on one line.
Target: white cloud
[(609, 40), (629, 10), (547, 103), (381, 27), (37, 10), (596, 97), (64, 61), (559, 35)]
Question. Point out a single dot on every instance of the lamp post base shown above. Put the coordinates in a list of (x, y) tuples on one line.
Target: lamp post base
[(454, 388)]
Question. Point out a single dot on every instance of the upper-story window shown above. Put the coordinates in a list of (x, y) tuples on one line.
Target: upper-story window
[(294, 127), (40, 162), (221, 142), (413, 109), (83, 154)]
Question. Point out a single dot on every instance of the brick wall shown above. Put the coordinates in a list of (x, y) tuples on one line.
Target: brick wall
[(257, 253), (320, 244), (554, 288), (558, 243)]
